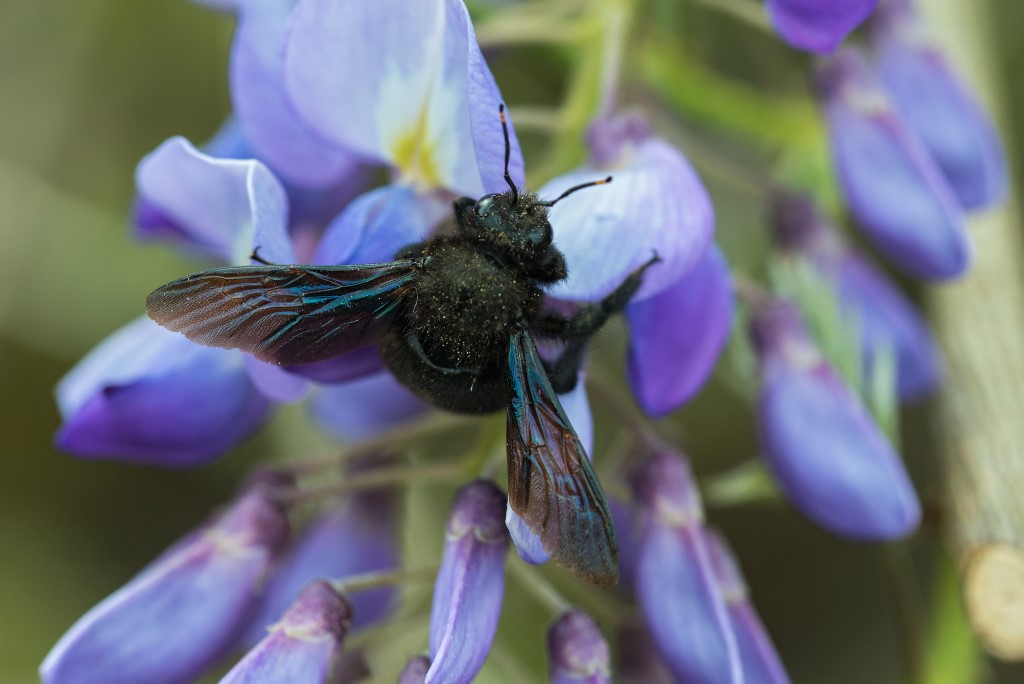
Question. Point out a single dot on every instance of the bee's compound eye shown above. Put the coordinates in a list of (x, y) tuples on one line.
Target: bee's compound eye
[(484, 205)]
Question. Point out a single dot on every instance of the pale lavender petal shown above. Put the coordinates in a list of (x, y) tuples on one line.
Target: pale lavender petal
[(229, 142), (577, 409), (203, 587), (422, 88), (365, 407), (354, 537), (939, 107), (656, 204), (892, 184), (677, 335), (378, 224), (281, 140), (577, 652), (470, 584), (209, 205), (761, 664), (675, 583), (817, 25), (148, 395), (828, 455), (304, 646)]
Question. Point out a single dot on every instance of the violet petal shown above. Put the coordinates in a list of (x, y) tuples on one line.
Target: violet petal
[(577, 652), (362, 408), (817, 25)]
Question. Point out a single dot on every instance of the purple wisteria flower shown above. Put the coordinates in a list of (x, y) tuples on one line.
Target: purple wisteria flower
[(675, 583), (470, 584), (938, 106), (303, 646), (656, 204), (817, 25), (577, 651), (886, 319), (891, 182), (828, 455), (761, 664), (203, 588)]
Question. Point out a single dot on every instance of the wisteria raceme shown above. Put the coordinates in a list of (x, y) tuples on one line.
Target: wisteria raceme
[(827, 454), (890, 181)]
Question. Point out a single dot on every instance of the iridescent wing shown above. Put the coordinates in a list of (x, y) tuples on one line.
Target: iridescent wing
[(286, 314), (551, 484)]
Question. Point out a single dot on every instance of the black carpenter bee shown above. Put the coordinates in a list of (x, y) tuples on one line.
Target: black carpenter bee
[(455, 317)]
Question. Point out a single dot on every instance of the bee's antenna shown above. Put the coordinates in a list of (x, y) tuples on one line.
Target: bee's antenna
[(508, 153), (603, 181)]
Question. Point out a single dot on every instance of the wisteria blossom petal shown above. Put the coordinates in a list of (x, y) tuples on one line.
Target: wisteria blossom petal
[(677, 335), (893, 186), (817, 25), (279, 137), (379, 223), (423, 89), (939, 107), (148, 395), (655, 204), (577, 651), (275, 382), (208, 205), (470, 584), (761, 664), (675, 583), (830, 458), (364, 407), (577, 409), (354, 537), (204, 586), (303, 646)]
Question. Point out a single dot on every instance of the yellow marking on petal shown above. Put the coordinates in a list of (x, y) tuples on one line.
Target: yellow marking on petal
[(413, 154)]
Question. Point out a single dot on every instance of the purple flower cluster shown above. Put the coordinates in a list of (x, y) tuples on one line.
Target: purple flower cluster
[(329, 95)]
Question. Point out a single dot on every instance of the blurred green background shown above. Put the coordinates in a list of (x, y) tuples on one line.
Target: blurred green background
[(87, 87)]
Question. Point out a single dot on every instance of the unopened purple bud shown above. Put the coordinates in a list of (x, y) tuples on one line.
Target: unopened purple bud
[(892, 184), (888, 322), (470, 584), (184, 611), (675, 584), (817, 25), (938, 106), (415, 671), (303, 646), (761, 664), (827, 453), (577, 651)]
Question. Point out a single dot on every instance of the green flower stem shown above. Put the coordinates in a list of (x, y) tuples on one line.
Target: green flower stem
[(384, 578), (539, 587), (378, 479), (749, 13)]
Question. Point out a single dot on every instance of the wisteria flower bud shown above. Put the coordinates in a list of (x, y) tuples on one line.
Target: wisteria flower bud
[(205, 586), (817, 25), (655, 204), (577, 651), (761, 664), (675, 583), (353, 537), (888, 322), (415, 671), (677, 335), (303, 646), (938, 106), (892, 184), (470, 584), (828, 455)]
